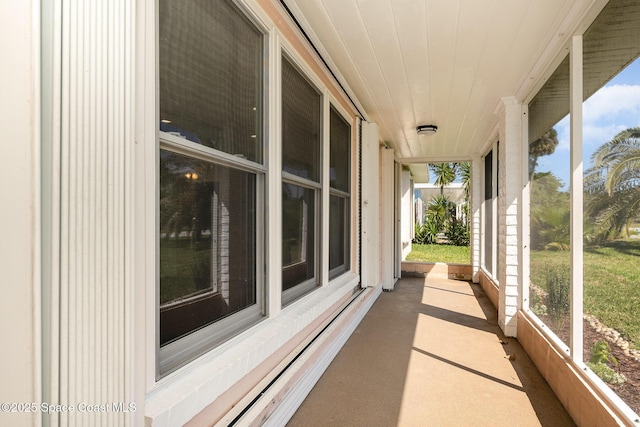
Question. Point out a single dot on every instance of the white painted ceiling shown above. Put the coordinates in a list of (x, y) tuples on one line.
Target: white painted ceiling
[(441, 62)]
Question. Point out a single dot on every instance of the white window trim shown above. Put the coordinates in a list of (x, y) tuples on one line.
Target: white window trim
[(347, 196), (177, 397), (493, 275), (320, 187)]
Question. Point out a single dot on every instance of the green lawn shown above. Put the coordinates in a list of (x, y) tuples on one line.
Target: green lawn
[(439, 253), (611, 283)]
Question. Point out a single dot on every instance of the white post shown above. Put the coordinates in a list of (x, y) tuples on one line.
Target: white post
[(370, 206), (20, 243), (509, 198), (476, 205), (576, 199), (387, 223)]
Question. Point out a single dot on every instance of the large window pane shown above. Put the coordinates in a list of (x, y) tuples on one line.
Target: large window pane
[(211, 76), (207, 243), (611, 149), (300, 124), (549, 178)]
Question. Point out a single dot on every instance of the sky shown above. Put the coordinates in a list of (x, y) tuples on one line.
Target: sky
[(614, 108)]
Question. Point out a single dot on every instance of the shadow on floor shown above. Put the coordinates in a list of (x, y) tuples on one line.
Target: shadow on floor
[(430, 353)]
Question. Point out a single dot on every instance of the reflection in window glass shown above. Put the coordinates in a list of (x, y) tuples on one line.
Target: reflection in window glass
[(488, 212), (207, 243), (339, 212), (300, 124), (338, 226), (340, 152), (210, 70), (301, 144), (298, 235), (549, 178), (611, 148)]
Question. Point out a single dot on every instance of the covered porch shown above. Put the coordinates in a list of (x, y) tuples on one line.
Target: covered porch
[(431, 353)]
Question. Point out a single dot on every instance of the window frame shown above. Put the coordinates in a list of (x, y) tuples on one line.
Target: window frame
[(578, 89), (180, 352), (490, 270), (301, 289), (345, 196)]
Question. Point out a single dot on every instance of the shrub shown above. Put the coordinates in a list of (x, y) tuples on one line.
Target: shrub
[(558, 300), (426, 233), (599, 363), (556, 246), (457, 233)]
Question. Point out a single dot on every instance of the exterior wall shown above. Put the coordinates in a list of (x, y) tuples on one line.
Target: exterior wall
[(578, 397), (234, 373), (19, 216), (78, 252), (436, 270), (509, 214), (489, 288)]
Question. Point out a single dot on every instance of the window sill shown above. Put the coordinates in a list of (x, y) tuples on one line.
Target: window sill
[(181, 395)]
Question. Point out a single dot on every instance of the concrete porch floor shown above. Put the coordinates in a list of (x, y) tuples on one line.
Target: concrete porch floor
[(430, 353)]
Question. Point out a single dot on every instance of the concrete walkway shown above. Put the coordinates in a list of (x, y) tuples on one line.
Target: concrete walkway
[(430, 353)]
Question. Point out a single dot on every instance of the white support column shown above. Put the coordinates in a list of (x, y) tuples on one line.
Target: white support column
[(406, 213), (387, 218), (509, 199), (476, 206), (19, 216), (370, 206)]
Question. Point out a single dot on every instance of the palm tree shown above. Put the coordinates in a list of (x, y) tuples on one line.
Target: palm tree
[(464, 169), (445, 174), (612, 184), (543, 146)]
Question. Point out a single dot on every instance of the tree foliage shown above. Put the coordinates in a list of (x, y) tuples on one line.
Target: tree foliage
[(445, 174), (612, 185), (543, 146), (549, 213)]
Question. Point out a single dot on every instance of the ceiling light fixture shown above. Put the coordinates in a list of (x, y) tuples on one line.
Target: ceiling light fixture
[(427, 129)]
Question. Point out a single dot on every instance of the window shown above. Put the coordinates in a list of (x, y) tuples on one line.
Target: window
[(490, 209), (611, 149), (584, 286), (301, 177), (211, 177), (488, 212), (549, 174), (339, 199)]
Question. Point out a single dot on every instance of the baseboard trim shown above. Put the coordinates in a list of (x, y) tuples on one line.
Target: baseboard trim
[(279, 403)]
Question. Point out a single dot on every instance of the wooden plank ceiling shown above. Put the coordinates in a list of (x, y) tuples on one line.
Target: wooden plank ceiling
[(441, 62)]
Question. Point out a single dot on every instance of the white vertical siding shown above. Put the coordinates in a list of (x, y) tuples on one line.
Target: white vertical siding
[(93, 104)]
